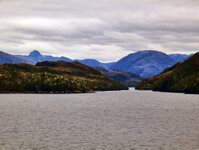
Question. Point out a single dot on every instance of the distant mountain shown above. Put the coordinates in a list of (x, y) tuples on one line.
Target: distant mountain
[(146, 63), (38, 57), (90, 62), (95, 63), (179, 57), (181, 77), (129, 79), (7, 58), (107, 65), (35, 56), (54, 77)]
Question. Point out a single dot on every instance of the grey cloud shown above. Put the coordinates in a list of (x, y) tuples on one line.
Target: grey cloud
[(101, 29)]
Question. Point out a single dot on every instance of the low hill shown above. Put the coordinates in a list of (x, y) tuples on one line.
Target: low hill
[(182, 77), (129, 79), (146, 63), (54, 77)]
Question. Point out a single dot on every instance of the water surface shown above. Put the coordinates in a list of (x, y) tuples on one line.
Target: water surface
[(117, 120)]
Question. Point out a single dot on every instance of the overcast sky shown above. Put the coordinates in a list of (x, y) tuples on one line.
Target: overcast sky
[(102, 29)]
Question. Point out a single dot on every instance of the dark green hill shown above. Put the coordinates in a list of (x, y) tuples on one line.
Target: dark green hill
[(182, 77), (54, 77)]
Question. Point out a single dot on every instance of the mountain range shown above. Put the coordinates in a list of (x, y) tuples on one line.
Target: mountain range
[(146, 63), (181, 77)]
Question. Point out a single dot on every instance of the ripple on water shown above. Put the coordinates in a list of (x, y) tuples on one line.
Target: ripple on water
[(131, 120)]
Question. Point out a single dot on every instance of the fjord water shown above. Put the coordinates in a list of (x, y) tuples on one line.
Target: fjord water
[(139, 120)]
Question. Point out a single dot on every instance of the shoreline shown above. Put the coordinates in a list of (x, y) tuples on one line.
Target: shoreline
[(74, 92)]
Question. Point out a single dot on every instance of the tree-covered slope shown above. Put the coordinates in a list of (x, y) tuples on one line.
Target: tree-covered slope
[(54, 77), (182, 77)]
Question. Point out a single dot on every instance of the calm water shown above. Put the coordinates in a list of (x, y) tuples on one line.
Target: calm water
[(129, 120)]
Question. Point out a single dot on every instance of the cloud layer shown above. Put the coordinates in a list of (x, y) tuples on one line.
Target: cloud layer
[(102, 29)]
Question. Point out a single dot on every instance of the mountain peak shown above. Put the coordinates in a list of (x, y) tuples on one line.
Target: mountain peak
[(35, 54)]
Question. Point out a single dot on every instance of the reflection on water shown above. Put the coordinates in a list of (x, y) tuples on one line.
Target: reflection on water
[(139, 120)]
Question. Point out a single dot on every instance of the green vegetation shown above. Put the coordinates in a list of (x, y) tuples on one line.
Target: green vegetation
[(182, 77), (54, 77)]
